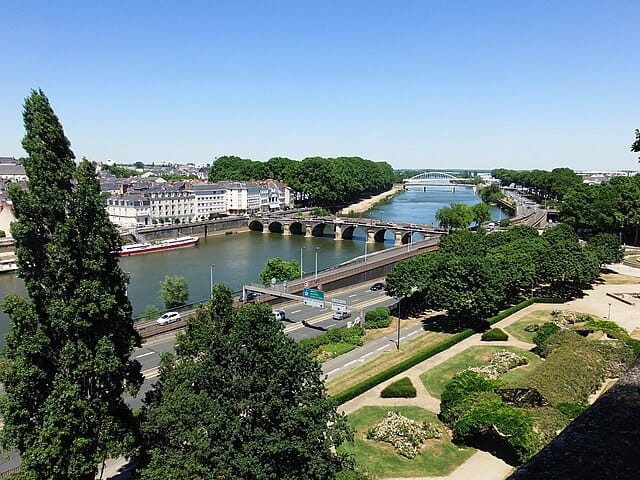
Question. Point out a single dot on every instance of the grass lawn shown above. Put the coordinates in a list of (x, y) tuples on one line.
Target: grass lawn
[(438, 457), (354, 376), (517, 328), (437, 378), (333, 350)]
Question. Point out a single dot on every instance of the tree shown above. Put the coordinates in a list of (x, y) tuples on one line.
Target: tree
[(280, 270), (481, 213), (240, 399), (457, 215), (66, 360), (635, 146), (606, 248), (174, 291)]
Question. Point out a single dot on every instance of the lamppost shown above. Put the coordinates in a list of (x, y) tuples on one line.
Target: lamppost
[(301, 249), (317, 248), (213, 266), (609, 314), (366, 241), (398, 342)]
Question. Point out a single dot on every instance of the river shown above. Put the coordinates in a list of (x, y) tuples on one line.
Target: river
[(239, 257)]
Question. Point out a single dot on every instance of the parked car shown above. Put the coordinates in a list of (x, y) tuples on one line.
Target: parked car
[(341, 315), (168, 317), (377, 286)]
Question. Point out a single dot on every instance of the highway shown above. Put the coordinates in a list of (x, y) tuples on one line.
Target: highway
[(358, 297)]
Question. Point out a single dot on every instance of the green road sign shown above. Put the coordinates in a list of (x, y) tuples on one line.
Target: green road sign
[(313, 297)]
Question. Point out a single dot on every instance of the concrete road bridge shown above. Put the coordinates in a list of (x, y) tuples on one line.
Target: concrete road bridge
[(427, 180), (342, 228)]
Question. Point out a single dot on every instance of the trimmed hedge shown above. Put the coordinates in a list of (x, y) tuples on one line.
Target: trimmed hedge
[(403, 388), (354, 391), (494, 335)]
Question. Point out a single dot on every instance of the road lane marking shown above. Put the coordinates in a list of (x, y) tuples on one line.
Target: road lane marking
[(402, 338), (366, 355), (354, 295), (296, 311), (413, 333), (350, 363), (384, 347), (151, 373), (145, 354), (333, 371)]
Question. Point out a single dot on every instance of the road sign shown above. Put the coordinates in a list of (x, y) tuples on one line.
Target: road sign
[(313, 297), (338, 305)]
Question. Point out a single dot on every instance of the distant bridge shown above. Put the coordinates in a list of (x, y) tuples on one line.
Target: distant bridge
[(344, 228), (436, 179)]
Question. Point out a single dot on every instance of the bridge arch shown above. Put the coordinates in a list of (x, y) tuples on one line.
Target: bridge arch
[(256, 226), (297, 228), (442, 176), (276, 227)]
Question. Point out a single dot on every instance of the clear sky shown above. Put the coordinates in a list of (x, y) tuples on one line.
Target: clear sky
[(516, 84)]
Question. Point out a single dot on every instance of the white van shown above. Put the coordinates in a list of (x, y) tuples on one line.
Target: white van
[(279, 314)]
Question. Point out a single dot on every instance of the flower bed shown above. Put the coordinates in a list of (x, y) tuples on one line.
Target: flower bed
[(501, 362), (404, 434)]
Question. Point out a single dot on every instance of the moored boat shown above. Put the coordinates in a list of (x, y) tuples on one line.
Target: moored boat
[(147, 247)]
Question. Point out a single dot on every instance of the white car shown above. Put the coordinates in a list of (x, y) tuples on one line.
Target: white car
[(168, 317)]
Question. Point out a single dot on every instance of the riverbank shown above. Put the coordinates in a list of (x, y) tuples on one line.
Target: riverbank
[(369, 203)]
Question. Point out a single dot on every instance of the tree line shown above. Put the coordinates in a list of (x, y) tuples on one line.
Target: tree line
[(473, 276), (322, 181)]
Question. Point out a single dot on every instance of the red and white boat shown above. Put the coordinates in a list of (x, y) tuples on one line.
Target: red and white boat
[(168, 244)]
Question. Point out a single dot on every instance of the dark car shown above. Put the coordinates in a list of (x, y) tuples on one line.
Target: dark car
[(377, 286), (250, 296)]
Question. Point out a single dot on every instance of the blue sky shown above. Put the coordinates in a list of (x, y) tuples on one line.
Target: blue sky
[(419, 84)]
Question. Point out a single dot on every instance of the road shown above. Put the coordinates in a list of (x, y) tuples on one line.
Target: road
[(358, 297)]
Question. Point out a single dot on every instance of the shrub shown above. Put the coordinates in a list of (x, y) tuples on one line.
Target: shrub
[(572, 410), (501, 362), (2, 234), (545, 331), (531, 327), (351, 336), (494, 335), (377, 318), (403, 388), (404, 434)]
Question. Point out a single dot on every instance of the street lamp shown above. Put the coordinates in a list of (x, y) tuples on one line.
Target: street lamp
[(609, 314), (301, 249), (317, 248), (366, 240), (213, 266), (398, 342)]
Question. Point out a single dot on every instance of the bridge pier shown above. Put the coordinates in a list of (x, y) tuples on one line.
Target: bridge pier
[(338, 232), (308, 231), (371, 236), (398, 238), (286, 229)]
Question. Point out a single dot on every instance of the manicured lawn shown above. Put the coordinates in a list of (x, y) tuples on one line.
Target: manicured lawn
[(354, 376), (437, 378), (333, 350), (517, 329), (438, 457)]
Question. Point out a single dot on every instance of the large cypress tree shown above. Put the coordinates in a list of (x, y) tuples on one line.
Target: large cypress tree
[(66, 360)]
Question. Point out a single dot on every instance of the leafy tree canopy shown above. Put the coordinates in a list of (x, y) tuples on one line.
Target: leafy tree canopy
[(280, 270), (240, 399), (66, 360), (174, 291)]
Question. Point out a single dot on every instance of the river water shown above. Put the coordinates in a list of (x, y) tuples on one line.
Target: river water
[(239, 257)]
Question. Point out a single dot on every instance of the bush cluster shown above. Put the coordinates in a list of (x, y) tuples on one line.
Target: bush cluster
[(403, 388), (377, 318), (545, 331), (494, 335), (404, 434), (351, 336), (501, 362)]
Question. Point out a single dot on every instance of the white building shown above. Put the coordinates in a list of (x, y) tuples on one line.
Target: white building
[(209, 199), (172, 203), (129, 211)]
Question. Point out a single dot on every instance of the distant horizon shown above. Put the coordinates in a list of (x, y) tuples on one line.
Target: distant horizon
[(520, 85)]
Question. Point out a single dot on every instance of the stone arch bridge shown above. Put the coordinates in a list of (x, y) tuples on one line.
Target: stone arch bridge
[(343, 228)]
